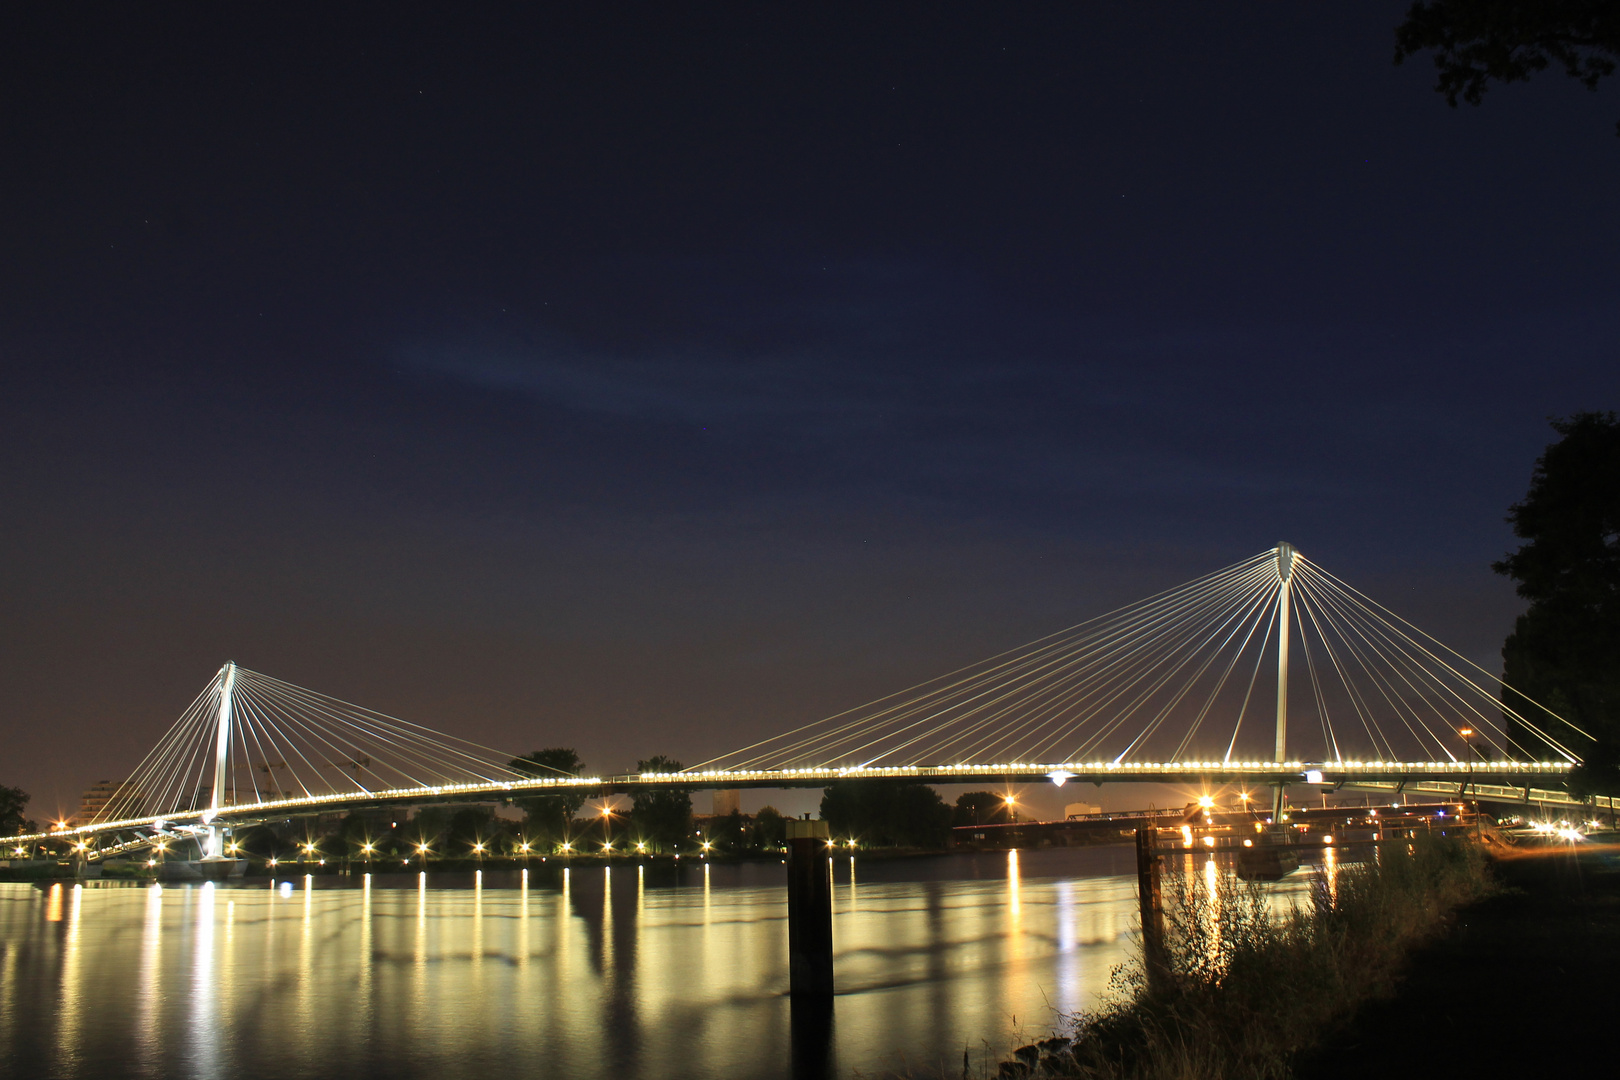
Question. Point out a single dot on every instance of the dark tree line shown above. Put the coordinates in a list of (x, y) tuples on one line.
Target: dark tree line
[(1564, 652)]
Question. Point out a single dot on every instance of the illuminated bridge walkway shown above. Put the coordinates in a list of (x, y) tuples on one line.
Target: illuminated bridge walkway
[(1189, 686)]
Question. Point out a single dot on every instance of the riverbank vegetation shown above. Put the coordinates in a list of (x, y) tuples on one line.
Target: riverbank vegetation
[(1241, 990)]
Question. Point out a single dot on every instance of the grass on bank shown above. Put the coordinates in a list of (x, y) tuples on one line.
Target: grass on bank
[(1241, 992)]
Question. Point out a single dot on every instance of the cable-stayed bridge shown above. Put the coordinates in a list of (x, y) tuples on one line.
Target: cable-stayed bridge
[(1266, 673)]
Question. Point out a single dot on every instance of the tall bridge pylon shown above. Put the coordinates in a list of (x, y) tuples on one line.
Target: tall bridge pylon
[(249, 739)]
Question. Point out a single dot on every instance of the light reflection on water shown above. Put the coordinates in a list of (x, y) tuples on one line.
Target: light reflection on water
[(625, 972)]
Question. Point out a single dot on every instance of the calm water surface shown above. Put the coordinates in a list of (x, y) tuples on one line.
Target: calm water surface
[(627, 972)]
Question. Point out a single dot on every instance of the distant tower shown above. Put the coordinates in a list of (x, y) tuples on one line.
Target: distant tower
[(727, 801), (214, 842), (1285, 574)]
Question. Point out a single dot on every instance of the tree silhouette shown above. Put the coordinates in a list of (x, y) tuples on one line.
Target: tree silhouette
[(13, 801), (1563, 649), (882, 813), (662, 816), (1476, 41), (549, 815)]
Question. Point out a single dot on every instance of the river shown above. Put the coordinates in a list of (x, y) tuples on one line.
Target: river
[(622, 972)]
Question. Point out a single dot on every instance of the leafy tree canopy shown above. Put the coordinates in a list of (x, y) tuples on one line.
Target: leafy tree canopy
[(887, 814), (549, 815), (13, 801), (662, 816), (1563, 649), (770, 828), (470, 825), (1476, 41)]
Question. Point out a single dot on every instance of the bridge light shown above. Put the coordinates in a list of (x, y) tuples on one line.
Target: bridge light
[(524, 847), (567, 846), (607, 846), (640, 846), (1206, 801)]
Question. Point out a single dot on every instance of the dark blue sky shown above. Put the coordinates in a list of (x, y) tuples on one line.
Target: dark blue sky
[(648, 380)]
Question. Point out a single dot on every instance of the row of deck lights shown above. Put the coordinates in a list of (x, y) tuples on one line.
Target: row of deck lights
[(1067, 769)]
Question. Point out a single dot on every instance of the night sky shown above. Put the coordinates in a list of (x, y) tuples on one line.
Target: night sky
[(648, 379)]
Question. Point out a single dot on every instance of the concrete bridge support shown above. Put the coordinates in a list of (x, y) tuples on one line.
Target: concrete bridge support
[(810, 955)]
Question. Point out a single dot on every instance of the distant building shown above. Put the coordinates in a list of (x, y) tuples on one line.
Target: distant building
[(727, 801), (104, 793)]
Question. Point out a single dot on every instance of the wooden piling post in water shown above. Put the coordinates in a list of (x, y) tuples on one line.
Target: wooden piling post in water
[(1149, 897), (810, 956)]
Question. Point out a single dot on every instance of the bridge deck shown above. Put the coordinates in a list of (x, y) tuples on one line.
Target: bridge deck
[(1501, 781)]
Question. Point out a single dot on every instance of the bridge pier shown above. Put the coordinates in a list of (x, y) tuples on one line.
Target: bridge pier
[(810, 956)]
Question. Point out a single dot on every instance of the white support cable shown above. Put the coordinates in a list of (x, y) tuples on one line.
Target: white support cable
[(1367, 643), (137, 792), (1123, 675), (1392, 645), (1125, 665), (1322, 715), (1259, 658), (987, 667), (161, 744), (1369, 721), (297, 751), (1250, 620), (1154, 724), (1366, 601), (1377, 647), (1155, 629), (468, 755), (1467, 710), (160, 787)]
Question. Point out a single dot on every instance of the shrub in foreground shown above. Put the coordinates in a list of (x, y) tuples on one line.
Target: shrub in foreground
[(1240, 991)]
